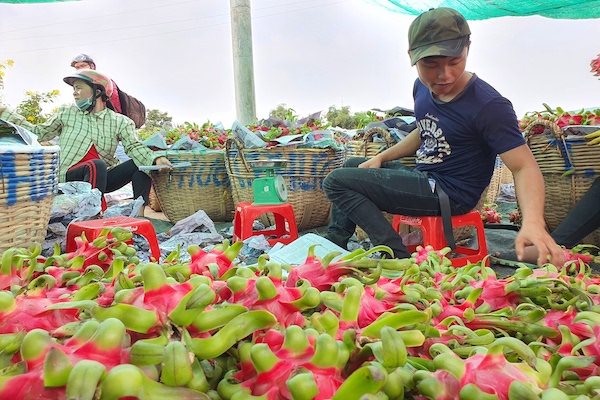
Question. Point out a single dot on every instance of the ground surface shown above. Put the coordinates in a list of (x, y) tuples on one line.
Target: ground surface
[(500, 242)]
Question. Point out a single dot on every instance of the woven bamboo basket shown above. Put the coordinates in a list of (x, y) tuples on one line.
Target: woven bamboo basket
[(153, 201), (569, 167), (202, 186), (501, 175), (366, 146), (303, 175), (28, 183)]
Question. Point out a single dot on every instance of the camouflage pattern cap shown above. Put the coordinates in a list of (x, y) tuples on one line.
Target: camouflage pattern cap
[(437, 32)]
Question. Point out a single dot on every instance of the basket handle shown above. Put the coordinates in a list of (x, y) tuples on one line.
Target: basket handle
[(559, 135), (554, 129), (369, 136), (240, 146), (389, 140)]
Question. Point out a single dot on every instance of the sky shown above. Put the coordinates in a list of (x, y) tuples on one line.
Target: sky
[(176, 55)]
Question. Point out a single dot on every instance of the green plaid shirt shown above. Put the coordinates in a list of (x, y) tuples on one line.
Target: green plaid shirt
[(78, 130)]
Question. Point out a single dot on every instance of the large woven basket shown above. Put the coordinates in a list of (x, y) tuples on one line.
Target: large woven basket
[(501, 175), (153, 201), (367, 147), (569, 167), (28, 183), (303, 175), (202, 186)]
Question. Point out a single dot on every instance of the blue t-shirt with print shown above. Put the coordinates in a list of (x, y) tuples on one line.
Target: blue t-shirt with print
[(461, 138)]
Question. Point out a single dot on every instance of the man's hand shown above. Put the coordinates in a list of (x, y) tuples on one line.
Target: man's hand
[(548, 250), (163, 161), (373, 162), (2, 108)]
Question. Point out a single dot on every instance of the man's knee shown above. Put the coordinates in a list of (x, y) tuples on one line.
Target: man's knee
[(330, 181), (354, 162)]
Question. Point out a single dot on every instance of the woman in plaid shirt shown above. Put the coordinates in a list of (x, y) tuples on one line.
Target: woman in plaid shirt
[(89, 133)]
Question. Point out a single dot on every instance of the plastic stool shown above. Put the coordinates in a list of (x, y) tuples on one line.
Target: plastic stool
[(433, 234), (246, 213), (92, 229)]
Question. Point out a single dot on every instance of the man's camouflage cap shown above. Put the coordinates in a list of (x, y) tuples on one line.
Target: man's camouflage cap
[(437, 32)]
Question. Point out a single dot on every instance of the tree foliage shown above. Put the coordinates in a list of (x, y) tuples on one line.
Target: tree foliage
[(31, 107), (340, 117), (4, 65), (284, 113), (155, 121), (343, 118)]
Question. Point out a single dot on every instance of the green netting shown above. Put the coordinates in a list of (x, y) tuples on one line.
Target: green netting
[(31, 1), (484, 9)]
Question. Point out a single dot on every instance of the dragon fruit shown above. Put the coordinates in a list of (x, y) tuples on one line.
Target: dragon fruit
[(595, 66)]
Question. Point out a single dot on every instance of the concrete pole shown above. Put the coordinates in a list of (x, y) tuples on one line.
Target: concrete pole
[(243, 69)]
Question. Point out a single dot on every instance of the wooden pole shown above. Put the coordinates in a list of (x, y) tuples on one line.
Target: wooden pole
[(243, 69)]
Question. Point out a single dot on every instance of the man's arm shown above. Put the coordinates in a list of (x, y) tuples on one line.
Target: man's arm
[(406, 147), (529, 185)]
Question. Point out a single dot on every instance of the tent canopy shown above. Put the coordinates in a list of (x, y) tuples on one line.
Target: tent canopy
[(484, 9)]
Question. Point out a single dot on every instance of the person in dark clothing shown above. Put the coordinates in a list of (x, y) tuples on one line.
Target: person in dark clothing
[(463, 123), (582, 220)]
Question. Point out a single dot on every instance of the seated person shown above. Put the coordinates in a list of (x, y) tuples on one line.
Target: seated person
[(88, 134), (462, 124)]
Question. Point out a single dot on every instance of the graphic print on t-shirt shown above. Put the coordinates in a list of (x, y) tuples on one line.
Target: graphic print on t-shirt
[(434, 146)]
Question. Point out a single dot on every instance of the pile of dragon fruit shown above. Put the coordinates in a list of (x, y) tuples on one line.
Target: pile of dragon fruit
[(99, 324)]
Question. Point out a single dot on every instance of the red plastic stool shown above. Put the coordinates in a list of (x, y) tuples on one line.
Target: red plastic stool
[(246, 213), (433, 234), (92, 229)]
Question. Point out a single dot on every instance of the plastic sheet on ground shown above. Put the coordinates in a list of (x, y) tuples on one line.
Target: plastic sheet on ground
[(295, 252), (197, 229), (120, 195), (131, 209), (190, 224), (254, 246), (76, 201), (185, 240), (507, 193)]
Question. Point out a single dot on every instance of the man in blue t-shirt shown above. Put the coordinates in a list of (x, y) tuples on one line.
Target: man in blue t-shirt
[(462, 124)]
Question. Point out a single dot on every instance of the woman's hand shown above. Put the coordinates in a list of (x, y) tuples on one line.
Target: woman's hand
[(163, 161)]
